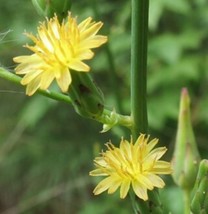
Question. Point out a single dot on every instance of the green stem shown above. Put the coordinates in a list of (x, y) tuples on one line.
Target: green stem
[(186, 195), (5, 74), (139, 37)]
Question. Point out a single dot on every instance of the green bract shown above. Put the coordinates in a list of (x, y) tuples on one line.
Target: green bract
[(87, 98), (47, 8)]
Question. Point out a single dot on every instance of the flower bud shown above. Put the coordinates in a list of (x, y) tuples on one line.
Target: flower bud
[(199, 202), (48, 8), (186, 156), (111, 119), (87, 98)]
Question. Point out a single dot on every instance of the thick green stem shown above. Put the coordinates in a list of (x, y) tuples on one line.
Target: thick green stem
[(139, 37), (186, 194)]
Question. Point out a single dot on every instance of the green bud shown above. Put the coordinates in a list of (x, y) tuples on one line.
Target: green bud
[(48, 8), (186, 156), (199, 202), (87, 98), (111, 119)]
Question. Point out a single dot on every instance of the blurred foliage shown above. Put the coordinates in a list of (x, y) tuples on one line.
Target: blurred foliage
[(46, 149)]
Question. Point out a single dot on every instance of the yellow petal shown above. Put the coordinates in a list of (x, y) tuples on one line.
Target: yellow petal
[(139, 190), (85, 54), (103, 186), (145, 182), (152, 144), (94, 42), (54, 26), (33, 86), (45, 39), (157, 153), (124, 188), (64, 81), (79, 66), (46, 79), (30, 77), (115, 184), (27, 63), (156, 180), (161, 167), (91, 31), (84, 24), (98, 172)]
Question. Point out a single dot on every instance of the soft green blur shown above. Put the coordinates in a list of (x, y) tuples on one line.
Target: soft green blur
[(47, 150)]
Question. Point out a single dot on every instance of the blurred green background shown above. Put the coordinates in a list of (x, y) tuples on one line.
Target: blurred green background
[(47, 150)]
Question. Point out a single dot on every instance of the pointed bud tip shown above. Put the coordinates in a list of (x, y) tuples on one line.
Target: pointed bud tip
[(184, 100), (184, 91)]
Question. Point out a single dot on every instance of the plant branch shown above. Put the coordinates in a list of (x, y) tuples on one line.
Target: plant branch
[(108, 117)]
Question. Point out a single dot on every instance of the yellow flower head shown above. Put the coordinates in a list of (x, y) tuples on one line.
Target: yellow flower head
[(58, 49), (131, 165)]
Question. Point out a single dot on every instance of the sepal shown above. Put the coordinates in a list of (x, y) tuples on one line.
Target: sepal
[(48, 8), (87, 98)]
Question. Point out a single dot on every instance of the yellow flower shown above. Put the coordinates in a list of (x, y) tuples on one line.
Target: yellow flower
[(131, 165), (59, 48)]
